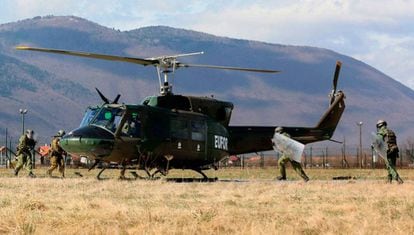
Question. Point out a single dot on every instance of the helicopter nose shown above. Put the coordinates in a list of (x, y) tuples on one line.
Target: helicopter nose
[(91, 141)]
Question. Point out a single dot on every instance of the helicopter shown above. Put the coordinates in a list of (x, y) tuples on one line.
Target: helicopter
[(172, 131)]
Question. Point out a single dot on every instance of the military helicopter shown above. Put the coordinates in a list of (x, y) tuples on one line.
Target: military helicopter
[(172, 131)]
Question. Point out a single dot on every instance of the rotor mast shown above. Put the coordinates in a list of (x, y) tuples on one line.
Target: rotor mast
[(167, 65)]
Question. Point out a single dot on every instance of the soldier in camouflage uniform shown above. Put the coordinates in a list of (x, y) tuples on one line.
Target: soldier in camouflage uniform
[(56, 155), (392, 150), (24, 155), (285, 159)]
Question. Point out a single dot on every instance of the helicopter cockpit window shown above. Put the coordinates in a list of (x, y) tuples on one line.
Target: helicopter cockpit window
[(108, 118), (132, 126), (89, 114), (198, 130)]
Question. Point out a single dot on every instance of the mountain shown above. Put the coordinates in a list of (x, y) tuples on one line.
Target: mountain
[(56, 89)]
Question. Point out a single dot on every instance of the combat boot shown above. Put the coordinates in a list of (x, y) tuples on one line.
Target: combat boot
[(16, 173), (304, 176), (389, 180), (281, 178), (31, 175), (399, 180)]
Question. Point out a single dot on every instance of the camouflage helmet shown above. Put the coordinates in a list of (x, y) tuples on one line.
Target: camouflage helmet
[(381, 123), (61, 133), (279, 129)]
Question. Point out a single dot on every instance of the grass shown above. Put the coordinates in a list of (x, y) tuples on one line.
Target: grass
[(256, 204)]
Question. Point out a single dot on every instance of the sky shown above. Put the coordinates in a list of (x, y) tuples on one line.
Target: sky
[(377, 32)]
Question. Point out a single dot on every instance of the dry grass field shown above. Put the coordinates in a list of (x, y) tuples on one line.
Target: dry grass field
[(253, 204)]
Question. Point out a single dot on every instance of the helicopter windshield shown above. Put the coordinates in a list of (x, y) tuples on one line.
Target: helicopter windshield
[(88, 116), (108, 118)]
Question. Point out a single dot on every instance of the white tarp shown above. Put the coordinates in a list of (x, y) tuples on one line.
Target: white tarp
[(288, 146)]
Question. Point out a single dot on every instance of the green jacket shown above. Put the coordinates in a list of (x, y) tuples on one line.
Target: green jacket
[(25, 145), (57, 150), (390, 140)]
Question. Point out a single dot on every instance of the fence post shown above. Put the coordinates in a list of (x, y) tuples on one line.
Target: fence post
[(304, 156), (262, 160), (11, 155), (6, 148), (311, 163), (323, 159), (357, 154)]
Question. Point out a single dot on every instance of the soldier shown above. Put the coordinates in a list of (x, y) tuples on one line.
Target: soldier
[(56, 155), (388, 136), (285, 158), (24, 155)]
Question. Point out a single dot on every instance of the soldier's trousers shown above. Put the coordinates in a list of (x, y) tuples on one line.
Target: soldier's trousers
[(391, 168), (296, 166), (56, 162), (24, 160)]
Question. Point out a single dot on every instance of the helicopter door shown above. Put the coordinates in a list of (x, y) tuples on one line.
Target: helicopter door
[(198, 136), (130, 133), (132, 126), (180, 135)]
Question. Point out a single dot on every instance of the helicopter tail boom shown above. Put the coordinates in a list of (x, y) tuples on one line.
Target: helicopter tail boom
[(248, 139)]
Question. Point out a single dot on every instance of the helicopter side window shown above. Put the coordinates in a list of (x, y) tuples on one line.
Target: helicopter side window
[(109, 118), (198, 130), (132, 126), (179, 129)]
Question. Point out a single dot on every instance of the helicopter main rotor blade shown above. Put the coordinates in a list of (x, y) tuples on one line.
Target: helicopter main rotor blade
[(105, 100), (164, 61), (227, 67), (116, 99), (92, 55)]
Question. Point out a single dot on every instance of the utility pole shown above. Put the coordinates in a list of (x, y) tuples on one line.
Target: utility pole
[(360, 144), (23, 112)]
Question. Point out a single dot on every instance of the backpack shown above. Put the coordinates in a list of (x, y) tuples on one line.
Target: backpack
[(391, 137), (392, 143)]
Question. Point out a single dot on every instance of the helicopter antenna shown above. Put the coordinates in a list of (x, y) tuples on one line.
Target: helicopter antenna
[(164, 64)]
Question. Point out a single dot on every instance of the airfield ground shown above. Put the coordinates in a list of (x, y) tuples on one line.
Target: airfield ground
[(253, 204)]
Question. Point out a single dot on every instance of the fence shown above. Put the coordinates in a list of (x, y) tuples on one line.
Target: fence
[(313, 157), (327, 157), (8, 151)]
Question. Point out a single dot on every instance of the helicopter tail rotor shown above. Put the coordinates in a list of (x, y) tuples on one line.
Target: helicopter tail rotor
[(335, 80)]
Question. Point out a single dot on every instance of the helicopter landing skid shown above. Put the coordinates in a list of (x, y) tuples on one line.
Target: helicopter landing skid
[(201, 173), (136, 176), (191, 180), (100, 172)]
